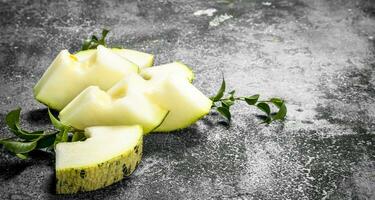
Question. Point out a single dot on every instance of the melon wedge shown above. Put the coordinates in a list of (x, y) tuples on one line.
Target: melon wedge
[(171, 69), (67, 76), (185, 103), (125, 103), (141, 59), (105, 157), (170, 87)]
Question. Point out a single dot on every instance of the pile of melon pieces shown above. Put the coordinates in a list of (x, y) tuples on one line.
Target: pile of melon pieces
[(116, 96)]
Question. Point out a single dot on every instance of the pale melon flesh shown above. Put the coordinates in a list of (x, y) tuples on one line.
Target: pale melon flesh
[(125, 103), (67, 76), (106, 156), (141, 59), (171, 88), (185, 103), (176, 69), (163, 100)]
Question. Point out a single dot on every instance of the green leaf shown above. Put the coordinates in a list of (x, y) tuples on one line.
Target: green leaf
[(267, 120), (104, 35), (27, 135), (280, 115), (23, 156), (46, 141), (224, 112), (93, 42), (78, 136), (86, 45), (220, 93), (62, 136), (56, 123), (251, 100), (18, 147), (65, 136), (231, 95), (12, 119), (277, 102), (227, 103), (94, 38), (264, 107)]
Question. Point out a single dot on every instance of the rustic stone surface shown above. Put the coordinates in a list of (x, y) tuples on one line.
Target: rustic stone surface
[(318, 55)]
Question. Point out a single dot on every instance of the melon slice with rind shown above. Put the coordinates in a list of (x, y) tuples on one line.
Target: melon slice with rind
[(107, 155)]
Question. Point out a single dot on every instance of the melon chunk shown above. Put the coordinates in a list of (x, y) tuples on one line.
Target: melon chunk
[(171, 88), (67, 76), (171, 69), (185, 103), (106, 156), (141, 59), (125, 103), (161, 99)]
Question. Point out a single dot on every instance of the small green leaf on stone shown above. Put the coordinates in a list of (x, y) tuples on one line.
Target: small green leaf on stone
[(264, 107), (227, 103), (224, 112), (277, 102), (12, 119), (220, 93), (17, 146), (251, 100), (231, 95), (280, 115)]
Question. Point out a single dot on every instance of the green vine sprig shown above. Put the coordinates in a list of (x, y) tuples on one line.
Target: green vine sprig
[(26, 141), (222, 103)]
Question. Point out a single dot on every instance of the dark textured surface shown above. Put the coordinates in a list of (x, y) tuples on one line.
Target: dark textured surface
[(318, 55)]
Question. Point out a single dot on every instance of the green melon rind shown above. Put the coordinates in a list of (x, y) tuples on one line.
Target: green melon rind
[(73, 180)]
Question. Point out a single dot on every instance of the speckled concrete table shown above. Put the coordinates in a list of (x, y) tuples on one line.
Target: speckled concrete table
[(318, 55)]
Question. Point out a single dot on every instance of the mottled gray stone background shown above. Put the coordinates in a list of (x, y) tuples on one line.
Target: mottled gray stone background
[(318, 55)]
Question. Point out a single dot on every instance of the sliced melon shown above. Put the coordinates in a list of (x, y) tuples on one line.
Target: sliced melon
[(143, 60), (105, 157), (125, 103), (67, 76), (175, 69), (185, 103)]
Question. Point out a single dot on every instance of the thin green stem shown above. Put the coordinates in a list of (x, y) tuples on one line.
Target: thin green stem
[(243, 99), (235, 98)]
